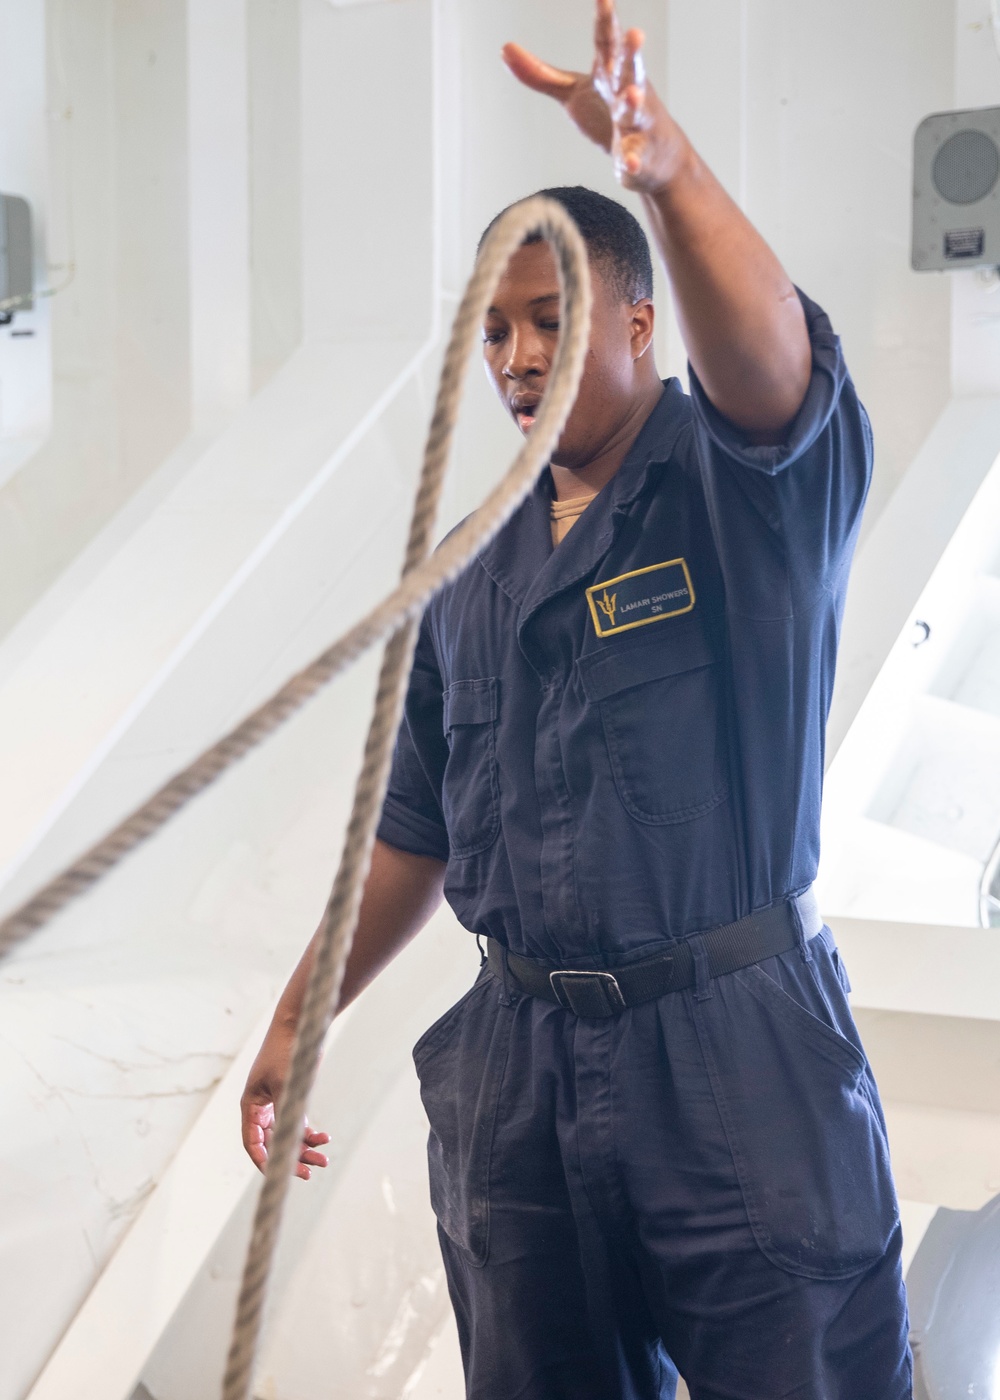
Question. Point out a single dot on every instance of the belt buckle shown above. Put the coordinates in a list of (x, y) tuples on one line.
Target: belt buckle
[(593, 995)]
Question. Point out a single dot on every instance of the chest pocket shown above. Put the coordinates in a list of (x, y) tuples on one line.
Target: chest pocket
[(660, 710), (470, 794)]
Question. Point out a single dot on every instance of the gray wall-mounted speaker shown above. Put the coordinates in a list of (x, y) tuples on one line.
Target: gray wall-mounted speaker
[(956, 190), (16, 275)]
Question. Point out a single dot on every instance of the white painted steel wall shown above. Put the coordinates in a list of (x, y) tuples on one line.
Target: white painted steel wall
[(912, 803), (809, 117), (120, 331), (28, 111), (250, 547)]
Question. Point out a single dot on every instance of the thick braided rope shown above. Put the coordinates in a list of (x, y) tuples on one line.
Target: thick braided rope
[(337, 928), (396, 617), (422, 576)]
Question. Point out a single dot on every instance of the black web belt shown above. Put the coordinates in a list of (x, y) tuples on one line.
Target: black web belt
[(599, 993)]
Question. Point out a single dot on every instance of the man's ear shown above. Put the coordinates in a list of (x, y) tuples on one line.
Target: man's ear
[(642, 316)]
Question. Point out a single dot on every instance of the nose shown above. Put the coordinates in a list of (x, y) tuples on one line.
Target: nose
[(524, 354)]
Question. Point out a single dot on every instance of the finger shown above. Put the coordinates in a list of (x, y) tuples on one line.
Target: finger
[(303, 1173), (257, 1153), (252, 1126), (607, 34), (541, 77), (633, 69), (313, 1159), (634, 115), (631, 151), (314, 1139)]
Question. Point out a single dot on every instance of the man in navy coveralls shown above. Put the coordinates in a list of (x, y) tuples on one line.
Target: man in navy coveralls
[(656, 1144)]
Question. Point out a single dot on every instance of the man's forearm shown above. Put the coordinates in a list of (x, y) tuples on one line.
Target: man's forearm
[(741, 319), (401, 893)]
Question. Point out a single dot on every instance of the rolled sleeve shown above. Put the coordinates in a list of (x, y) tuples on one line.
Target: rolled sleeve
[(786, 517), (411, 831), (826, 383), (411, 818)]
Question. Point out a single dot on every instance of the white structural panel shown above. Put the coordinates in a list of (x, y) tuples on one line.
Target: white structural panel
[(263, 540), (912, 800), (188, 1242), (219, 188), (29, 112)]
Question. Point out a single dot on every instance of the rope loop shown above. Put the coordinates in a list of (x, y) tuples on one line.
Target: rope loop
[(395, 619), (422, 577)]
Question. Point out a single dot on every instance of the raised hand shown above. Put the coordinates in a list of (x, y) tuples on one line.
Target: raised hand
[(614, 104), (739, 314)]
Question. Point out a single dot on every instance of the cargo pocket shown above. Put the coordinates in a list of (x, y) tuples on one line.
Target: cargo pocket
[(801, 1110), (460, 1063), (470, 792), (659, 708)]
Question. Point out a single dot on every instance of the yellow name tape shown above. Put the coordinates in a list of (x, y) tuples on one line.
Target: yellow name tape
[(645, 595)]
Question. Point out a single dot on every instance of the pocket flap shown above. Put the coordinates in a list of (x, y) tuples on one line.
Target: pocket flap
[(617, 668), (470, 702)]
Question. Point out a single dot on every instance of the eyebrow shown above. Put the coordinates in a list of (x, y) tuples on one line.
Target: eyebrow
[(535, 301)]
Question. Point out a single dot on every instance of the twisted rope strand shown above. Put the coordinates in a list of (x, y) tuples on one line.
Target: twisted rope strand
[(422, 578), (340, 918), (396, 618)]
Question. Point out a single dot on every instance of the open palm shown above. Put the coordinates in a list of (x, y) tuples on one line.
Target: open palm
[(613, 104)]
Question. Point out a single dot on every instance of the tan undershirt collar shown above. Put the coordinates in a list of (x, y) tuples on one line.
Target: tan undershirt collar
[(565, 514)]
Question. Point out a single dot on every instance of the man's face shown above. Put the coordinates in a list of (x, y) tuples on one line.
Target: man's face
[(519, 342)]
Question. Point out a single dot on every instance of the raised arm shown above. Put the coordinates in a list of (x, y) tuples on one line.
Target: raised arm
[(742, 322), (401, 894)]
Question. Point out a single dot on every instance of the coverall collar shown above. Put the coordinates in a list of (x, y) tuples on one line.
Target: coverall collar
[(521, 559)]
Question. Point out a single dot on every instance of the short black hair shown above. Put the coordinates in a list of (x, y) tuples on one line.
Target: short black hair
[(614, 238)]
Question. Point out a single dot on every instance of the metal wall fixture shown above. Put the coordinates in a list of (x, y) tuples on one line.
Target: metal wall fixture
[(989, 891), (956, 190), (16, 271)]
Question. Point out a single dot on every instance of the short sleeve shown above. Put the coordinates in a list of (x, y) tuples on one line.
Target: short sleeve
[(411, 817), (786, 518)]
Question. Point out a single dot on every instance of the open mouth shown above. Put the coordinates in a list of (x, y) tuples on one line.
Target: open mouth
[(525, 416)]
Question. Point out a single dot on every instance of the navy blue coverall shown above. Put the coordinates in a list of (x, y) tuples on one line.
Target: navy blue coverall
[(617, 743)]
